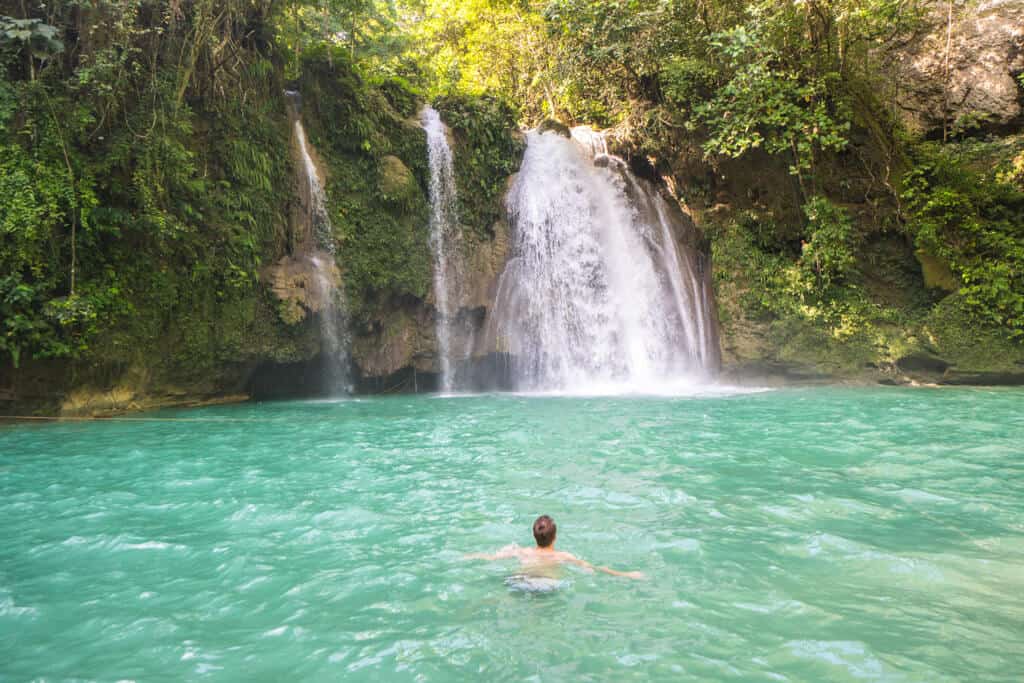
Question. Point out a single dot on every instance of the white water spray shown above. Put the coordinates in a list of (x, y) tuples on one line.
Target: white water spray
[(597, 293), (444, 238)]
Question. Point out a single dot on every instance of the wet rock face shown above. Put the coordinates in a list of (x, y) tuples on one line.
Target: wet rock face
[(402, 336), (298, 286), (978, 87)]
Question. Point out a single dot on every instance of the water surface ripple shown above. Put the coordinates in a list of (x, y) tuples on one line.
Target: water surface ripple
[(805, 534)]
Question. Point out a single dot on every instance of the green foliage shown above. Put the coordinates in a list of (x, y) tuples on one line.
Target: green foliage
[(365, 31), (974, 220), (820, 289), (136, 189), (33, 36), (22, 327), (36, 200), (765, 104), (953, 326), (686, 81), (382, 240), (486, 153), (613, 54), (400, 94), (477, 47), (828, 257)]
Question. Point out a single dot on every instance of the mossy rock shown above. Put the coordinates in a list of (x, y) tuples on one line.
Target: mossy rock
[(922, 361), (376, 162), (557, 127), (397, 183), (937, 273), (968, 346), (488, 149)]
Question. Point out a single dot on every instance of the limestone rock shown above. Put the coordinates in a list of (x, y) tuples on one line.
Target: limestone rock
[(922, 362), (986, 54), (302, 285), (936, 272), (403, 332), (402, 336), (484, 262), (396, 180)]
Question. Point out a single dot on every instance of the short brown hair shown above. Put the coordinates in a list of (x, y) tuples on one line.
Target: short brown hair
[(544, 531)]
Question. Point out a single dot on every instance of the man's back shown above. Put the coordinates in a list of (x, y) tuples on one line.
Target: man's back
[(536, 557), (543, 560)]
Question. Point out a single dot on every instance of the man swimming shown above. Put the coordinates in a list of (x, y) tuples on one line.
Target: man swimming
[(541, 560)]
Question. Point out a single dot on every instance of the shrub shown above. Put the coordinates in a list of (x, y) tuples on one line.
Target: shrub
[(975, 221)]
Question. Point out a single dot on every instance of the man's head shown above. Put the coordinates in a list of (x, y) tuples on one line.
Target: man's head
[(544, 531)]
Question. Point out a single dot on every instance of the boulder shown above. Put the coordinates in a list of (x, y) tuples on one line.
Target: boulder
[(302, 284), (936, 272), (979, 89), (922, 362), (396, 180), (556, 127)]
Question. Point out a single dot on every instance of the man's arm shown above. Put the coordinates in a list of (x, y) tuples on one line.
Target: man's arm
[(479, 556), (628, 575), (591, 568), (505, 553)]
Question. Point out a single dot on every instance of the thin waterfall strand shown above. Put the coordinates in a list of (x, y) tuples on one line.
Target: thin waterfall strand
[(318, 245), (319, 219), (444, 238)]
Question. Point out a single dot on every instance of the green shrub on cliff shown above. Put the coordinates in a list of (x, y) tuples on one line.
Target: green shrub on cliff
[(829, 252), (819, 287), (143, 176), (765, 103), (486, 154), (375, 162), (973, 219)]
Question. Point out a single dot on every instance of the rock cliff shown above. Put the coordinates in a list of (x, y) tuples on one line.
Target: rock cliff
[(963, 72)]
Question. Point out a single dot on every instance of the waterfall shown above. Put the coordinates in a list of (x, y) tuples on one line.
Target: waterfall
[(444, 238), (319, 228), (598, 291), (315, 246)]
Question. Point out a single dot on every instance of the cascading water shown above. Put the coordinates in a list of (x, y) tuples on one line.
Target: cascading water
[(319, 221), (444, 238), (316, 247), (597, 291)]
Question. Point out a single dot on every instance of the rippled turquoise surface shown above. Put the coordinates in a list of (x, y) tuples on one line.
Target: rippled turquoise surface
[(834, 534)]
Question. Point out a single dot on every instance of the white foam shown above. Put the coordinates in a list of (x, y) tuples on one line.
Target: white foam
[(600, 297)]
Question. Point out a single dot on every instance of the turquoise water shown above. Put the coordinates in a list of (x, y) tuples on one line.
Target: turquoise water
[(804, 534)]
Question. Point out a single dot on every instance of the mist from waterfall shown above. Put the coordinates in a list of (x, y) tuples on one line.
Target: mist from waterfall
[(444, 238), (316, 246), (598, 291)]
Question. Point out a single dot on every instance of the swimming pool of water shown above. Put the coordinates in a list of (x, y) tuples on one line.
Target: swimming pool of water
[(800, 534)]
